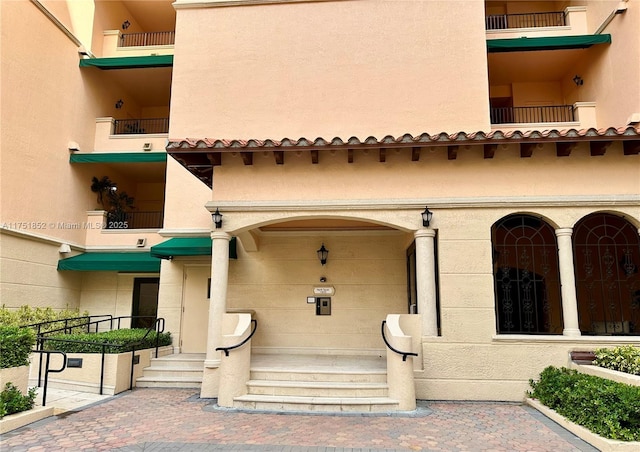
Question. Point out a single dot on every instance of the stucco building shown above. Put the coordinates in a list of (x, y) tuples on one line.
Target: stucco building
[(331, 125)]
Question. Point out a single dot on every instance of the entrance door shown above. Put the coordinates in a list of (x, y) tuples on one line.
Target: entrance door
[(145, 302), (195, 309)]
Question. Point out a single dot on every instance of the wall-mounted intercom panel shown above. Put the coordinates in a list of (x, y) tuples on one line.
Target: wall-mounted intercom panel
[(323, 305)]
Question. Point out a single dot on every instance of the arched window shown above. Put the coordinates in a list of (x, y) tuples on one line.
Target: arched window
[(606, 251), (525, 268)]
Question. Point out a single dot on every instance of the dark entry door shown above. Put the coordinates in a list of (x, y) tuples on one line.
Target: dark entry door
[(145, 302)]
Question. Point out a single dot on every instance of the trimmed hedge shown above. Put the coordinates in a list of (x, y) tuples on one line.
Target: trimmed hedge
[(13, 401), (15, 346), (623, 359), (26, 315), (119, 341), (607, 408)]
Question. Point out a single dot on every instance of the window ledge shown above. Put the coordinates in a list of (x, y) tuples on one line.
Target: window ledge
[(520, 338)]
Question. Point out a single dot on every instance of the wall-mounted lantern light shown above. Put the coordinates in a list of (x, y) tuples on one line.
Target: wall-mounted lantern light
[(217, 218), (126, 24), (119, 104), (426, 217), (578, 80), (322, 254)]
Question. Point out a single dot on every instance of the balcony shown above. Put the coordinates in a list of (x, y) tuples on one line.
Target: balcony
[(100, 235), (117, 44), (134, 220), (580, 115), (570, 22), (131, 135)]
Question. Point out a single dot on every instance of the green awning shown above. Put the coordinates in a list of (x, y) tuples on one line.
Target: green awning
[(549, 43), (111, 262), (119, 157), (133, 62), (189, 246)]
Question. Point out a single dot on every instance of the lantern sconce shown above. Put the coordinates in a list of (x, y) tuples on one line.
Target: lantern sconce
[(426, 217), (578, 80), (322, 254), (217, 218)]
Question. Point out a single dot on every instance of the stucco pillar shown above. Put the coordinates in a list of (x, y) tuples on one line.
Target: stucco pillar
[(426, 280), (567, 283), (218, 296)]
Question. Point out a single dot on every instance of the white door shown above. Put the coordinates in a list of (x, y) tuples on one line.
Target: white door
[(195, 309)]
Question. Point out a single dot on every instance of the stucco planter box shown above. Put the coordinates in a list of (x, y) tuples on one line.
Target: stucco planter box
[(620, 377), (17, 420), (117, 371), (604, 444), (19, 376)]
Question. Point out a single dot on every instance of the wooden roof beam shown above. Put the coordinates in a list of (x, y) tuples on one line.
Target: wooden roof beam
[(215, 158), (415, 153), (452, 152), (279, 156), (490, 150), (599, 148), (631, 147), (314, 156), (526, 150), (383, 155), (247, 158), (350, 155), (564, 148)]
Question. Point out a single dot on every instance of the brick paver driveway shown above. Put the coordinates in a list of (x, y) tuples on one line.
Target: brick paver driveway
[(176, 419)]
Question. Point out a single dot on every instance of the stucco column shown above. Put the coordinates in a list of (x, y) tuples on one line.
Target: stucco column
[(568, 283), (218, 295), (426, 280)]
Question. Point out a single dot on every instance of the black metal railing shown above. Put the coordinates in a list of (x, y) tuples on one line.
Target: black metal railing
[(518, 115), (69, 325), (254, 325), (529, 20), (140, 126), (156, 38), (135, 220), (158, 327), (47, 369), (386, 342)]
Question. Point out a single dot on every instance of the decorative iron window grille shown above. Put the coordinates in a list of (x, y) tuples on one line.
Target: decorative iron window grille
[(526, 276), (607, 255)]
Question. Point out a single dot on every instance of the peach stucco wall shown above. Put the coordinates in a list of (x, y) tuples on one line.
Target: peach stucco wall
[(329, 69), (432, 177)]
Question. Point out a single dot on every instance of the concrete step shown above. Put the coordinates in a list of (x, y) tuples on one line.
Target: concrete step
[(154, 371), (175, 361), (168, 382), (315, 375), (317, 388), (317, 404)]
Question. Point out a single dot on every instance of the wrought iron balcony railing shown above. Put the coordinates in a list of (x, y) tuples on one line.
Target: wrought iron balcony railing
[(510, 115), (140, 126), (134, 220), (157, 38), (531, 20)]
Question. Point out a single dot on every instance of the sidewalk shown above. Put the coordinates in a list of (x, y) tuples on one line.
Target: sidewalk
[(177, 420), (64, 401)]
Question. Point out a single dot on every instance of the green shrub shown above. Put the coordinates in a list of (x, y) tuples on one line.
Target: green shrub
[(119, 341), (15, 346), (607, 408), (12, 401), (26, 315), (624, 359)]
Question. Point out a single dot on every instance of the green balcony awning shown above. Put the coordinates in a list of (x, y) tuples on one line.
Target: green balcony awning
[(119, 157), (548, 43), (189, 246), (133, 62), (111, 262)]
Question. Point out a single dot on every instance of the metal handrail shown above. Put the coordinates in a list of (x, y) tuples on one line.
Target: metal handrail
[(518, 115), (226, 349), (525, 20), (154, 38), (158, 327), (140, 126), (47, 370), (404, 354), (38, 326)]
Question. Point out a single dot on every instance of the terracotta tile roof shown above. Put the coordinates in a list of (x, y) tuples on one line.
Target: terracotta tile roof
[(407, 140)]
